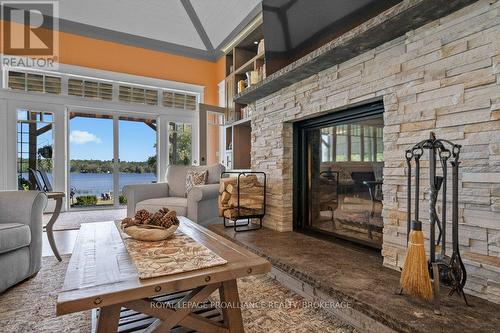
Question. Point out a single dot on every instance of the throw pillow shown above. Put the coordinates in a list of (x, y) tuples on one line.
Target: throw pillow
[(194, 178)]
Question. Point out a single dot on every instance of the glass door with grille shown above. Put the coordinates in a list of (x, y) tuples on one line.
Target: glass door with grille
[(180, 139), (35, 142), (137, 146), (92, 163), (106, 153)]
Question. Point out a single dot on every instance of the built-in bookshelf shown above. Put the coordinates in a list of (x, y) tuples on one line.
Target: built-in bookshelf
[(245, 66)]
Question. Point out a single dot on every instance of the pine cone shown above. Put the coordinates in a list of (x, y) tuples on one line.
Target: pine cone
[(173, 216), (156, 219), (166, 222), (128, 222), (169, 219), (142, 215), (164, 211)]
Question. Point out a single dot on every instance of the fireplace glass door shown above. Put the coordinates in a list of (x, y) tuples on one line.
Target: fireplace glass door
[(342, 178)]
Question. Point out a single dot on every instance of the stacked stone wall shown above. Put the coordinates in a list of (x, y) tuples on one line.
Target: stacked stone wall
[(444, 77)]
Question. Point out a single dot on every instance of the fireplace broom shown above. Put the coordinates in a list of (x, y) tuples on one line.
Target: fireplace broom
[(415, 279)]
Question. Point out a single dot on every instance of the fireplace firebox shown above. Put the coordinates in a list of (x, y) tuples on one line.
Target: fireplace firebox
[(338, 164)]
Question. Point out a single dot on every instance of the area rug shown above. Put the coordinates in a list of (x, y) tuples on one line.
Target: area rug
[(268, 307), (73, 219), (31, 305)]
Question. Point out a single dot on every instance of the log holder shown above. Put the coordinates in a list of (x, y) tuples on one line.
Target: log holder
[(233, 222), (443, 269)]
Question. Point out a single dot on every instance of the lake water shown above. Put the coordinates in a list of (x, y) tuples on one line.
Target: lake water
[(97, 183)]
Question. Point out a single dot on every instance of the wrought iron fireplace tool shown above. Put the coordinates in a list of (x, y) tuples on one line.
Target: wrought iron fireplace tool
[(445, 270)]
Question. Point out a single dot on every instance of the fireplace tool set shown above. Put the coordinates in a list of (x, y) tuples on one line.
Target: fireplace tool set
[(446, 270)]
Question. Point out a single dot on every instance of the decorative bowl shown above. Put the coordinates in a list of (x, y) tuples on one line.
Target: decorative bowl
[(149, 233)]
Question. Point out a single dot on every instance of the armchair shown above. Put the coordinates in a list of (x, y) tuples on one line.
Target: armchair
[(199, 205), (20, 235)]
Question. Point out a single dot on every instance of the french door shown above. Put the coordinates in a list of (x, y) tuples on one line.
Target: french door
[(107, 152), (212, 119)]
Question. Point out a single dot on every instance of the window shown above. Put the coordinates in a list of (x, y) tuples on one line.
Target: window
[(180, 140), (179, 100), (90, 89), (380, 144), (138, 95), (355, 137), (352, 142), (342, 143), (34, 82), (99, 89), (369, 140), (17, 81), (327, 144), (190, 102), (168, 99), (52, 85), (34, 148)]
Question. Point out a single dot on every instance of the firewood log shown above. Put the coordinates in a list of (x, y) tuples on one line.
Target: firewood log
[(226, 181), (248, 179), (255, 206), (247, 203), (233, 212), (222, 209), (225, 197), (255, 188)]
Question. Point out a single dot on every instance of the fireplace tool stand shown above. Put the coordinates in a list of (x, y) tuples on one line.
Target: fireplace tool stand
[(444, 270)]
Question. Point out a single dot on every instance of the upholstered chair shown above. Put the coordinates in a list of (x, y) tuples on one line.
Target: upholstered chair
[(21, 214), (199, 204)]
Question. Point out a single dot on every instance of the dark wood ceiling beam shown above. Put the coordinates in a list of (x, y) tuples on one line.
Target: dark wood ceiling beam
[(44, 129)]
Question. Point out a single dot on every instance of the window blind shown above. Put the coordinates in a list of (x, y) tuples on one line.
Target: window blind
[(34, 82), (90, 89)]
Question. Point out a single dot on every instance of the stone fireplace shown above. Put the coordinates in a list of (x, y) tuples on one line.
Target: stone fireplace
[(444, 77)]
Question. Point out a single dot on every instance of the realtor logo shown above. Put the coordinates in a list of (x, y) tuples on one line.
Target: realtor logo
[(30, 33)]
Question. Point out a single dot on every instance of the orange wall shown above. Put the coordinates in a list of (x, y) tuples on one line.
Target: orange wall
[(111, 56), (220, 70)]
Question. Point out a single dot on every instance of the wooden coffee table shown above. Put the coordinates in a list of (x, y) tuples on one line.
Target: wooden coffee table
[(102, 275)]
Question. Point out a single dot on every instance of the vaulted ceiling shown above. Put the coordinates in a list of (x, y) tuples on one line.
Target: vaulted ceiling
[(194, 28)]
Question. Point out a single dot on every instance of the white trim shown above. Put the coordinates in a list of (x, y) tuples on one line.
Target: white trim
[(81, 102), (121, 78), (61, 105), (222, 93), (116, 160)]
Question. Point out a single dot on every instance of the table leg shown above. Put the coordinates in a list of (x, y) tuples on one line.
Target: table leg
[(232, 311), (50, 225), (108, 319)]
